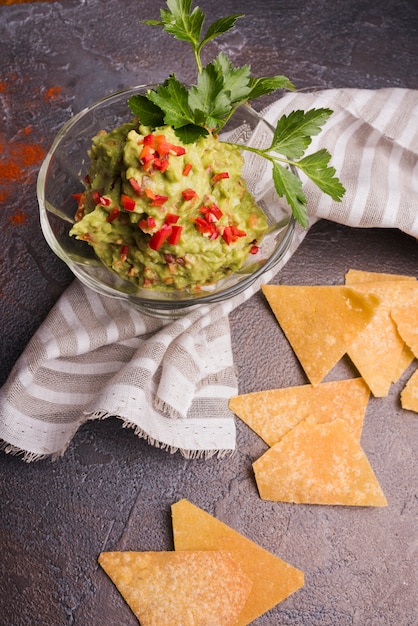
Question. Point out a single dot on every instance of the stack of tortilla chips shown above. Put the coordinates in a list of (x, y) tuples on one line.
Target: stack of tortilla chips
[(215, 575), (314, 430)]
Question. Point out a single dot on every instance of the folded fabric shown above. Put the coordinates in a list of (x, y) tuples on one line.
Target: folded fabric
[(95, 356)]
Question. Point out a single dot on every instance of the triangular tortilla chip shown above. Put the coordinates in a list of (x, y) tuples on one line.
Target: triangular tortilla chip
[(378, 349), (406, 320), (274, 412), (404, 362), (318, 464), (409, 394), (187, 588), (361, 276), (273, 579), (320, 322)]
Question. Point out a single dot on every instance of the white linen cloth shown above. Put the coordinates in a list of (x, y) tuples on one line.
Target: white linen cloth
[(95, 356)]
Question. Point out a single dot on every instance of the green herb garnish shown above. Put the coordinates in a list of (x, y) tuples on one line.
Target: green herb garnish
[(197, 110)]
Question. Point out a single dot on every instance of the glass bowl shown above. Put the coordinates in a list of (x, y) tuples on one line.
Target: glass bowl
[(63, 172)]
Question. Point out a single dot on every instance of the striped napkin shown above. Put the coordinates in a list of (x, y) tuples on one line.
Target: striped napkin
[(170, 381)]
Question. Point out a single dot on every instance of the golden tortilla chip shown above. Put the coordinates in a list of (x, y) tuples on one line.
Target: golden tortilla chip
[(378, 350), (361, 276), (273, 579), (406, 320), (271, 414), (409, 394), (404, 362), (318, 464), (187, 588), (320, 322)]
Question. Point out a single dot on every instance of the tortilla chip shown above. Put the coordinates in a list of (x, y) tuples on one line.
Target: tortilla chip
[(273, 579), (404, 362), (378, 350), (361, 276), (318, 464), (320, 322), (187, 588), (406, 320), (271, 414), (409, 394)]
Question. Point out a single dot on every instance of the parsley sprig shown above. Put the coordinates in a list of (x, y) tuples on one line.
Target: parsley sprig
[(197, 110)]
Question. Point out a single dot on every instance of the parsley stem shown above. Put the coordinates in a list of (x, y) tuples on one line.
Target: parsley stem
[(265, 154)]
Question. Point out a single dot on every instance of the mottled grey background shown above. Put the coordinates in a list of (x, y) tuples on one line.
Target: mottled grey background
[(113, 491)]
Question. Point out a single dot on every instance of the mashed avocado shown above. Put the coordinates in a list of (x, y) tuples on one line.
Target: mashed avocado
[(167, 215)]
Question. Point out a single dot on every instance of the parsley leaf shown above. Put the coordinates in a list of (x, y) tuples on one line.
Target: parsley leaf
[(236, 81), (149, 113), (220, 27), (316, 167), (180, 21), (173, 99), (263, 86), (294, 131), (290, 186)]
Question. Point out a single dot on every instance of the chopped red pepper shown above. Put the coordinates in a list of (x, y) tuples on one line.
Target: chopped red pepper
[(189, 194), (231, 234), (159, 200), (208, 229), (161, 164), (212, 212), (96, 197), (147, 152), (174, 238), (124, 252), (113, 214), (77, 196), (104, 201), (186, 169), (147, 224), (171, 218), (155, 152), (219, 176), (135, 185), (149, 140), (254, 249), (127, 202), (160, 236)]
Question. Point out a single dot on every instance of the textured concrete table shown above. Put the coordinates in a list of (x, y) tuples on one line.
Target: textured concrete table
[(113, 491)]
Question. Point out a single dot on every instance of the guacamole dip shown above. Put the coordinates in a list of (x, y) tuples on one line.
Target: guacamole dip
[(167, 215)]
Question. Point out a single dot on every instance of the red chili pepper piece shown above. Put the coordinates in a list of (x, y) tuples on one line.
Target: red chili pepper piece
[(171, 218), (187, 168), (77, 196), (161, 164), (104, 201), (158, 200), (135, 185), (254, 249), (212, 212), (149, 140), (124, 252), (174, 238), (127, 202), (219, 176), (207, 229), (189, 194), (114, 213), (160, 236), (231, 234), (96, 197), (147, 224)]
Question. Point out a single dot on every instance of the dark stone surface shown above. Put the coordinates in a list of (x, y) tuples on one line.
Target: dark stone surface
[(113, 491)]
